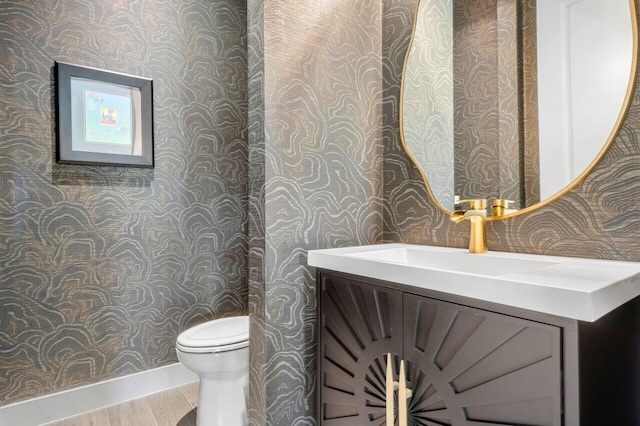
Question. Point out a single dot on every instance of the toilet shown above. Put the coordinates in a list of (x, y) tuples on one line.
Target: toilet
[(218, 351)]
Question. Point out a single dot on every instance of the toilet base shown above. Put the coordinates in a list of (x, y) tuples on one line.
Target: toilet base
[(222, 403), (224, 376)]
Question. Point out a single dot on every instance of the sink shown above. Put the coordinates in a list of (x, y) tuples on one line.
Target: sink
[(456, 261), (582, 289)]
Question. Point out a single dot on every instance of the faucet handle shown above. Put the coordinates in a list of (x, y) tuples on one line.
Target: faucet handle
[(499, 205), (475, 204)]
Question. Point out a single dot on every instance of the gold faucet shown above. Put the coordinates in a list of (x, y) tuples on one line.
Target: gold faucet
[(477, 216)]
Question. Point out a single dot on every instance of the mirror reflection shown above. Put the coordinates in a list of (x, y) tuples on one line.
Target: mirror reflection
[(514, 99)]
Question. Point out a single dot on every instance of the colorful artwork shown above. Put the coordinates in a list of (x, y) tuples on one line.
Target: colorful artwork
[(107, 118)]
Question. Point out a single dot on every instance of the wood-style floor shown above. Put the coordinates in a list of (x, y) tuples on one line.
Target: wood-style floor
[(173, 407)]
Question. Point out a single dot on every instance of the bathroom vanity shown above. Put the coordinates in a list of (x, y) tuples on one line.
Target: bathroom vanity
[(501, 338), (417, 335)]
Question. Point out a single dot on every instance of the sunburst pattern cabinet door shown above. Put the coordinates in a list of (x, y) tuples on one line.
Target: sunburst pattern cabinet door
[(465, 366), (472, 367), (359, 325)]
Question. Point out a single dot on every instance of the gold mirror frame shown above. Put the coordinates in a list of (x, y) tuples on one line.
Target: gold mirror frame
[(612, 136)]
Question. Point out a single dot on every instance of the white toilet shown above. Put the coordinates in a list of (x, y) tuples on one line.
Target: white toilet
[(218, 351)]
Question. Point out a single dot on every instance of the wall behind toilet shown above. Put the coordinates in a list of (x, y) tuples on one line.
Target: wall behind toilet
[(102, 267)]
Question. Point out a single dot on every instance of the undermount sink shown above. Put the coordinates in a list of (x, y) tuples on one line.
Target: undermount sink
[(582, 289), (456, 261)]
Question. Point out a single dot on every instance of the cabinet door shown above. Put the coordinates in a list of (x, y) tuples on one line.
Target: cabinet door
[(359, 325), (467, 366)]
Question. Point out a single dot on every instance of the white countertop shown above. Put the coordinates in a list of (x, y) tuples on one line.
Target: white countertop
[(582, 289)]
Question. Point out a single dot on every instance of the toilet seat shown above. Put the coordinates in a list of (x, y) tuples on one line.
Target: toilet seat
[(222, 335), (211, 349)]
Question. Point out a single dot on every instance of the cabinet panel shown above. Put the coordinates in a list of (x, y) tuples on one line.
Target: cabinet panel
[(468, 366), (465, 366), (359, 325)]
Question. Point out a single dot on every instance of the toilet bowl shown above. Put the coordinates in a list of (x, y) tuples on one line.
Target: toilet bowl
[(218, 351)]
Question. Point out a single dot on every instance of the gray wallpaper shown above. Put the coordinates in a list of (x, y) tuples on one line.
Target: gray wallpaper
[(427, 102), (509, 89), (321, 83), (476, 99), (462, 117), (256, 230), (530, 133), (598, 218), (102, 267), (307, 203)]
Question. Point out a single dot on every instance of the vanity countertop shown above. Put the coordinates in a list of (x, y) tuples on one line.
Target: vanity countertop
[(576, 288)]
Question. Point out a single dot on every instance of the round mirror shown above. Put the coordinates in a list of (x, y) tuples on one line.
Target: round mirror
[(515, 100)]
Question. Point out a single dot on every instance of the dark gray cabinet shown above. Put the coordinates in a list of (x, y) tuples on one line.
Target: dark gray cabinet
[(467, 366), (360, 325), (464, 366), (470, 362)]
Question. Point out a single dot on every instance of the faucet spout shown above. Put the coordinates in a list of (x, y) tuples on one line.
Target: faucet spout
[(477, 232), (457, 216), (477, 217)]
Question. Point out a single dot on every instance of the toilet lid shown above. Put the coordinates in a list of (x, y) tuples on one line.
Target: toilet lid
[(220, 332)]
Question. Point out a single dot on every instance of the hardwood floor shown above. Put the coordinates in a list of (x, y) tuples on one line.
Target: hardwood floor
[(173, 407)]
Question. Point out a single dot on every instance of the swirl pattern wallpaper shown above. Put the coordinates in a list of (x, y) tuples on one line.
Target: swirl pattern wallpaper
[(318, 184), (428, 92), (256, 405), (276, 132), (102, 267), (596, 219)]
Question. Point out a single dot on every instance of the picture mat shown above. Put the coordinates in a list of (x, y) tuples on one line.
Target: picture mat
[(91, 136)]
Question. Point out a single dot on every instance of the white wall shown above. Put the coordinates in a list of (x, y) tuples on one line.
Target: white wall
[(584, 62)]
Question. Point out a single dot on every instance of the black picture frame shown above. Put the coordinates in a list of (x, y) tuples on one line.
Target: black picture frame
[(90, 131)]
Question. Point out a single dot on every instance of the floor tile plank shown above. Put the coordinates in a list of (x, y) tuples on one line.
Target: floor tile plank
[(136, 412), (173, 407), (92, 418), (191, 391), (170, 407)]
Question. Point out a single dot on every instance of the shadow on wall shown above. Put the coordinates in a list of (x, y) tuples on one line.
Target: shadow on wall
[(110, 176)]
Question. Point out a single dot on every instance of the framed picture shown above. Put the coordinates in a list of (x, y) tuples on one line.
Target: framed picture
[(104, 118)]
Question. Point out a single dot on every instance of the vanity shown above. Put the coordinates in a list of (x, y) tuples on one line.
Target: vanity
[(505, 107), (443, 337)]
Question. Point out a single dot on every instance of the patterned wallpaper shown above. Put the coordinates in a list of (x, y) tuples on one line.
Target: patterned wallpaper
[(470, 96), (321, 81), (475, 94), (307, 204), (509, 88), (256, 229), (102, 267), (598, 218), (530, 129), (315, 179), (427, 102)]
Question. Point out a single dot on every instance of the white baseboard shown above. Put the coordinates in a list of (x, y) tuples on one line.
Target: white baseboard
[(49, 408)]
